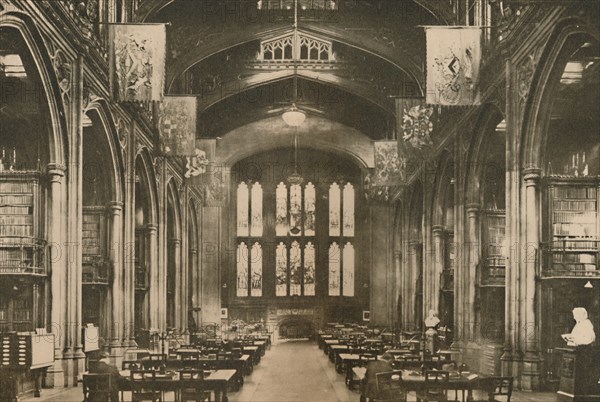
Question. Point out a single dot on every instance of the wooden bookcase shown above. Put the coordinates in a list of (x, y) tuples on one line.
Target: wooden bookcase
[(94, 246), (572, 235), (569, 259), (22, 251), (493, 266)]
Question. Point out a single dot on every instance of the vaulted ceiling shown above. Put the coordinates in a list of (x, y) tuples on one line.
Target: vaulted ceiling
[(379, 55)]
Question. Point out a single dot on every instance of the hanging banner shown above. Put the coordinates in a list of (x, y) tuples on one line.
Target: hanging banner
[(177, 125), (203, 172), (413, 122), (137, 61), (453, 62), (389, 165)]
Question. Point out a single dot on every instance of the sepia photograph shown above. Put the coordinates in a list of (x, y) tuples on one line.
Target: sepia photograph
[(299, 200)]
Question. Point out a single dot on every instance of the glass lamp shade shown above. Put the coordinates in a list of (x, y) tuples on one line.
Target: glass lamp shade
[(294, 117), (295, 178)]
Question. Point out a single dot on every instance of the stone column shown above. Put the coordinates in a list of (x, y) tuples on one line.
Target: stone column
[(413, 283), (175, 244), (57, 270), (154, 284), (472, 253), (531, 361), (116, 258), (438, 264)]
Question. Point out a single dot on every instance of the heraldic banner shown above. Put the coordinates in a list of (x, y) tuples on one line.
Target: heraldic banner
[(137, 61), (453, 61), (413, 123), (202, 172), (389, 165), (177, 125)]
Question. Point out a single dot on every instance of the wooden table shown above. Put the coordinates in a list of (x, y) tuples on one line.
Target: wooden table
[(327, 343), (415, 381), (217, 381), (253, 352)]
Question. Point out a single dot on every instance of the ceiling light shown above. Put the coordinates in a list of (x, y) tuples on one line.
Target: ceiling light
[(294, 117)]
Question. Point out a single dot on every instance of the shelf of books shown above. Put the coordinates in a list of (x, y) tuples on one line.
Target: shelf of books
[(493, 267), (22, 251), (95, 261), (572, 228)]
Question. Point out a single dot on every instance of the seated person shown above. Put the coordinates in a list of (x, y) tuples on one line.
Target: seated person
[(583, 331), (104, 366), (369, 383)]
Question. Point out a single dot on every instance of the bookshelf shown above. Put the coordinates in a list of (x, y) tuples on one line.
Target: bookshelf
[(493, 266), (22, 251), (572, 228), (94, 250)]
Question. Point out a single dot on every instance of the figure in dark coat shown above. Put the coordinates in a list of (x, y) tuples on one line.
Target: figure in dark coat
[(369, 383), (104, 366)]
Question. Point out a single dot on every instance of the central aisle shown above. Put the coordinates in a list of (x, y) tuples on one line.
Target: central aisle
[(295, 371)]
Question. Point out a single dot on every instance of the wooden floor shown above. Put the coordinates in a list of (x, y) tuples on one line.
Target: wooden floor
[(292, 371)]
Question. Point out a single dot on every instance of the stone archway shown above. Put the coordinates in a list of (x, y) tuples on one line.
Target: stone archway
[(296, 327)]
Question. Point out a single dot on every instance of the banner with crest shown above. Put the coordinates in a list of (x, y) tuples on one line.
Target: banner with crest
[(389, 164), (453, 63), (177, 125), (413, 122), (137, 61), (203, 172)]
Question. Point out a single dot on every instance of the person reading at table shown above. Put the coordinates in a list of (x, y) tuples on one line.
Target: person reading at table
[(104, 366), (583, 331), (369, 383)]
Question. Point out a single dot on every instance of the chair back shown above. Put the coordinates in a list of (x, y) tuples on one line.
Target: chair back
[(143, 385), (502, 386), (390, 387), (191, 385), (436, 386), (97, 387)]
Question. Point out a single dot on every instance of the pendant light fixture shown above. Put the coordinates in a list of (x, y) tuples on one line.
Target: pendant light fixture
[(294, 117)]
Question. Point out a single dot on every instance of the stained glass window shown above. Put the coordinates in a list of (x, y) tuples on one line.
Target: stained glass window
[(310, 207), (295, 210), (249, 224), (256, 267), (309, 270), (295, 270), (341, 265), (281, 223), (334, 270), (348, 201), (256, 224), (334, 210), (348, 270), (242, 209), (281, 270), (242, 270)]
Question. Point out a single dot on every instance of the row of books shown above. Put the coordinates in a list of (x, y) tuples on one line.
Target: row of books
[(16, 230), (16, 187), (574, 229), (13, 199), (16, 220), (575, 192), (574, 217), (562, 205), (15, 210)]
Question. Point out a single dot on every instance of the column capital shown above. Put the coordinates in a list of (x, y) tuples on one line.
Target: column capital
[(55, 169), (437, 230), (115, 206), (152, 228), (193, 251), (472, 208), (532, 176), (175, 242)]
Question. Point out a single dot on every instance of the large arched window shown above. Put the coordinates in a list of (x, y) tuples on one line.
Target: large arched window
[(295, 228), (249, 260), (341, 230)]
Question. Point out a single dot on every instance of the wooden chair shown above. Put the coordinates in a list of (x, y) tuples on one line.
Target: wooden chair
[(191, 386), (500, 386), (435, 386), (389, 387), (143, 386), (97, 388)]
